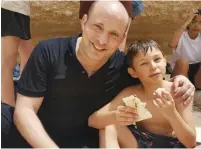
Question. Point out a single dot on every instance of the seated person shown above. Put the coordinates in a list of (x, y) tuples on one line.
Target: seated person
[(171, 124), (187, 50)]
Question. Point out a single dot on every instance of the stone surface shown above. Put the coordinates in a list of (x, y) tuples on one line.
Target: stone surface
[(158, 21)]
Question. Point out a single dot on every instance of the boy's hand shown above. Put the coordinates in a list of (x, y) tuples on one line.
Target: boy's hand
[(125, 115), (164, 102)]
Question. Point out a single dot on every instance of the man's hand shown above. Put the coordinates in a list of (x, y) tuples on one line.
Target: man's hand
[(183, 89), (125, 115)]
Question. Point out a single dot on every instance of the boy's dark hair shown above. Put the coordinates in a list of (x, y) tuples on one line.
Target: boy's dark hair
[(140, 46)]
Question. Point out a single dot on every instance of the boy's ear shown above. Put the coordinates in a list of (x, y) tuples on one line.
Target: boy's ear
[(132, 72)]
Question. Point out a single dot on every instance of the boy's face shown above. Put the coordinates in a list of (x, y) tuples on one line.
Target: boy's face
[(149, 67)]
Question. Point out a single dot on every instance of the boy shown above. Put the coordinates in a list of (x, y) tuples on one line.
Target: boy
[(171, 124)]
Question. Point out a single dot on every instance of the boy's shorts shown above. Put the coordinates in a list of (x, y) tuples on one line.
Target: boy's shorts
[(150, 140), (85, 6), (15, 24), (193, 69)]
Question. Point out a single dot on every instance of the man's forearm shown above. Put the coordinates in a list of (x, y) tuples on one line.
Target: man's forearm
[(31, 129), (101, 120), (183, 131)]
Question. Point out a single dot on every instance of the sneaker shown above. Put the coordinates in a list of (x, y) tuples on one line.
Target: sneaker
[(16, 72)]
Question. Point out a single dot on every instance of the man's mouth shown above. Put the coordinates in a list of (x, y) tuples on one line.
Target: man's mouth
[(98, 48)]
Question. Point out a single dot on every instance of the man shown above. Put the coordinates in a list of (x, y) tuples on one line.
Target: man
[(67, 79)]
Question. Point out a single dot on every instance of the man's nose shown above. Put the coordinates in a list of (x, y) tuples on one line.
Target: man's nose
[(103, 38)]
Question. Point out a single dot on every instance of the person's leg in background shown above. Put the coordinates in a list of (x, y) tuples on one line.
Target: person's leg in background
[(15, 28), (181, 68), (9, 46), (25, 49), (197, 80)]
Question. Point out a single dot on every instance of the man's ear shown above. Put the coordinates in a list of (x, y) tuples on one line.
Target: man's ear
[(132, 72), (84, 21)]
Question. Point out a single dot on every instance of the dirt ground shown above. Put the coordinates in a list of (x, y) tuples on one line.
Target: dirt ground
[(158, 21)]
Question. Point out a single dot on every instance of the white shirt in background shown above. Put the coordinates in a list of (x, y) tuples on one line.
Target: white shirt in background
[(187, 48), (22, 7)]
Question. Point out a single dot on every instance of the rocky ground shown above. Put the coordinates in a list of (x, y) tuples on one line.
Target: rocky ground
[(158, 21)]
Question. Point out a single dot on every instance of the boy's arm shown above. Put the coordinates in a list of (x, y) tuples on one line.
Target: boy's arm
[(113, 113), (182, 123)]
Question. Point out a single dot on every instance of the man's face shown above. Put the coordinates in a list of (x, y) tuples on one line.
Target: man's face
[(102, 34), (149, 67), (195, 24)]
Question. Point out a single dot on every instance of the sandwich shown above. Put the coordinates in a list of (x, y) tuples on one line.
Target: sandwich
[(134, 102)]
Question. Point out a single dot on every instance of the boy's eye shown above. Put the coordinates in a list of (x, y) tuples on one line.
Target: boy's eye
[(157, 59), (144, 63)]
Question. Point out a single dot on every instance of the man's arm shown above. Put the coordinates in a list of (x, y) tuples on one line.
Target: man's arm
[(113, 113), (28, 123), (182, 123), (183, 89)]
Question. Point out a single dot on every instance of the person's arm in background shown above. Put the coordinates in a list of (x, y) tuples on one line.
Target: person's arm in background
[(28, 123), (175, 39)]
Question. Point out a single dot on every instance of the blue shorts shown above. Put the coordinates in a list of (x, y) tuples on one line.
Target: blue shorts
[(150, 140)]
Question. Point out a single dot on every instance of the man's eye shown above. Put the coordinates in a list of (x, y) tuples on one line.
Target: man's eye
[(115, 34), (98, 27)]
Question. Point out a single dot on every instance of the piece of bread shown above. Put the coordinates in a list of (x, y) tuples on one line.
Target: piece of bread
[(134, 102)]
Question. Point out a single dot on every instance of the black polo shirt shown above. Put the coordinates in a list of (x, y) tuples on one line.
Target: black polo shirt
[(70, 96)]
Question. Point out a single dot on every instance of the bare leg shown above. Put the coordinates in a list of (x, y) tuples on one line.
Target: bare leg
[(198, 78), (9, 46), (117, 136), (108, 137), (25, 49), (125, 138), (181, 68)]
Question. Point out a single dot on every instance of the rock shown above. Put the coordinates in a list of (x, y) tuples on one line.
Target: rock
[(159, 20)]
